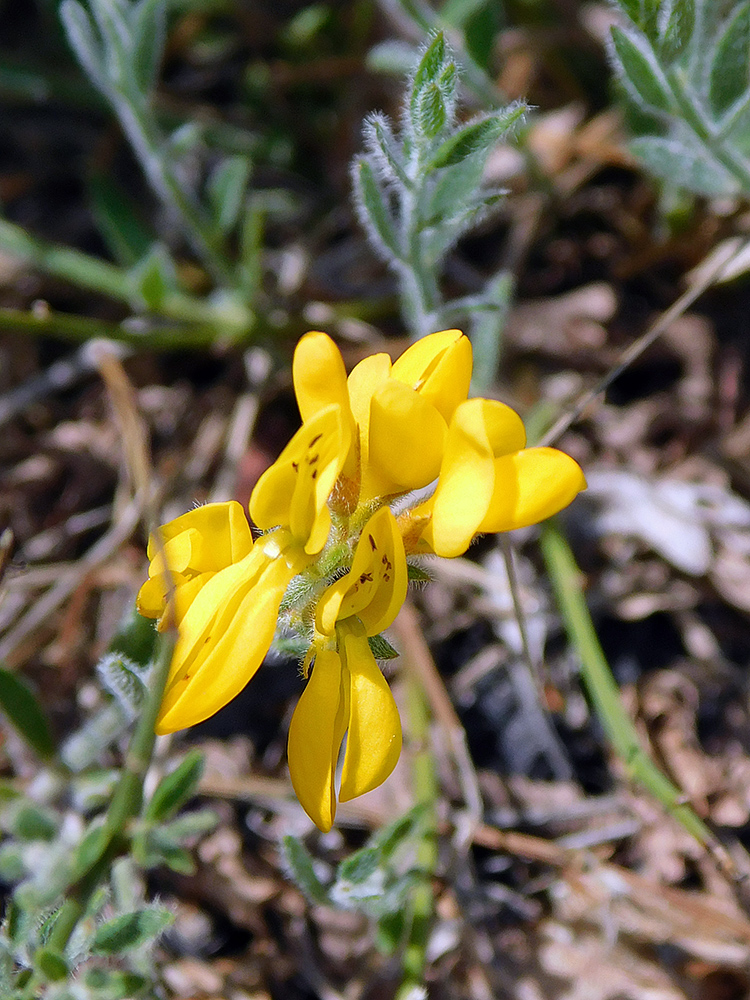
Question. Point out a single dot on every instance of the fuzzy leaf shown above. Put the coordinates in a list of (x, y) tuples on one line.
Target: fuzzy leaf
[(429, 66), (375, 210), (84, 746), (164, 844), (25, 714), (153, 277), (640, 71), (380, 648), (383, 146), (729, 67), (632, 8), (148, 25), (429, 114), (130, 930), (678, 164), (113, 984), (84, 42), (649, 20), (52, 964), (177, 788), (678, 30), (453, 187), (448, 81), (32, 822), (111, 17), (401, 831), (90, 849), (360, 866), (12, 867), (301, 869), (417, 574), (227, 187), (172, 856), (120, 677), (477, 137)]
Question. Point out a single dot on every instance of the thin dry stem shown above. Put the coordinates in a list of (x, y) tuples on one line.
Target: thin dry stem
[(421, 662)]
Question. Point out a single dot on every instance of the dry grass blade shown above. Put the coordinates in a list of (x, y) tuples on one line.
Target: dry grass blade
[(419, 659), (705, 277)]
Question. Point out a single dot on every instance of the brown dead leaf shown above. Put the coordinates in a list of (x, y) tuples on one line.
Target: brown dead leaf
[(565, 323)]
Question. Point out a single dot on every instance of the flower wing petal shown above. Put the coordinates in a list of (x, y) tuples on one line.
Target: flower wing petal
[(315, 734), (530, 486), (480, 430), (373, 743)]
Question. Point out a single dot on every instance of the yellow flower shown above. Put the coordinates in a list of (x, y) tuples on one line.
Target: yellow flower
[(401, 409), (228, 596), (346, 693), (385, 430), (489, 481)]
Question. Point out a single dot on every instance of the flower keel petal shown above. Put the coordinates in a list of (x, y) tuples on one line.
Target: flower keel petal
[(315, 734)]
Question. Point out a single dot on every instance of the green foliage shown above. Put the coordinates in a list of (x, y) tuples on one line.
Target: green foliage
[(684, 66), (417, 573), (377, 880), (176, 788), (22, 709), (418, 192), (381, 648), (73, 887), (130, 930)]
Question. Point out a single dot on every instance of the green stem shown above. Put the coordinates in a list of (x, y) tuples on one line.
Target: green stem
[(100, 276), (79, 329), (426, 792), (142, 134), (419, 290), (602, 687)]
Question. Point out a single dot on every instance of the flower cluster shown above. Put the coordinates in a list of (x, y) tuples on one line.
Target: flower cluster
[(332, 560)]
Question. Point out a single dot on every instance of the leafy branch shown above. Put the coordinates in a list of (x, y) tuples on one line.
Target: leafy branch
[(418, 189), (684, 68)]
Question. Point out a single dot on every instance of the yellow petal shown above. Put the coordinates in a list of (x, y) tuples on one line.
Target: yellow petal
[(225, 635), (373, 743), (294, 491), (182, 552), (439, 368), (375, 587), (480, 430), (319, 375), (364, 380), (407, 437), (151, 597), (530, 486), (225, 524), (319, 379), (315, 734)]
